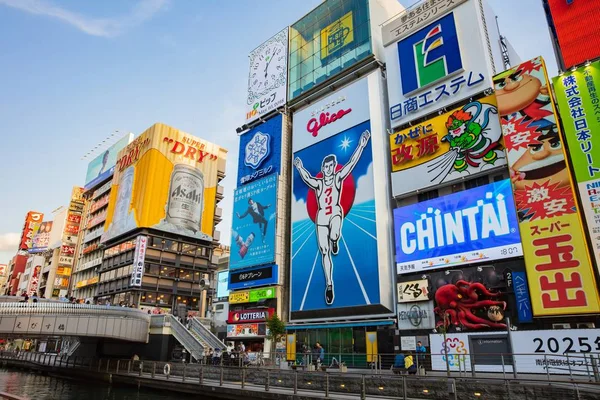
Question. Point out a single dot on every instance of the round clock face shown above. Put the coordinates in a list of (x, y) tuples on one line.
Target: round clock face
[(268, 68)]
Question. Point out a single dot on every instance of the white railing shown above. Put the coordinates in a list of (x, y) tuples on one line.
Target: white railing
[(59, 308)]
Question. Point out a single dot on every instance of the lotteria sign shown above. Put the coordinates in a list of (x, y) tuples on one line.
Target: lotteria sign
[(476, 225), (258, 315)]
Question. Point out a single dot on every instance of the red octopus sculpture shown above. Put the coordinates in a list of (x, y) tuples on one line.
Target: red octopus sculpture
[(457, 302)]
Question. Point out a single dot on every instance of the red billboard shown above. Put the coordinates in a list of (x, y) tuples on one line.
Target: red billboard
[(255, 315), (33, 220), (577, 29)]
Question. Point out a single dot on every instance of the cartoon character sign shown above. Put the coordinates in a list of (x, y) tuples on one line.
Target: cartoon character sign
[(334, 226)]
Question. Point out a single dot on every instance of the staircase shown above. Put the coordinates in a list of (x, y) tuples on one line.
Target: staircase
[(191, 341), (205, 335)]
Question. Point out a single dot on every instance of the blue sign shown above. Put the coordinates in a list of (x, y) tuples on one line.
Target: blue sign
[(334, 235), (475, 225), (103, 166), (254, 220), (429, 55), (522, 295), (260, 151), (252, 277), (222, 284)]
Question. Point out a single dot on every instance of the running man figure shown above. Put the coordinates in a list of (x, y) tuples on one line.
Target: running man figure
[(328, 191)]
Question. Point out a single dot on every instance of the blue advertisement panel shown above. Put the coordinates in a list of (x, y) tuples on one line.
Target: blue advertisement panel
[(251, 277), (260, 151), (103, 166), (334, 237), (254, 220), (475, 225), (222, 283), (522, 295)]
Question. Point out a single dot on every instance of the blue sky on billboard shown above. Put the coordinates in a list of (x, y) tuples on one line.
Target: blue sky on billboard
[(355, 273), (475, 225), (260, 151), (103, 165), (222, 283)]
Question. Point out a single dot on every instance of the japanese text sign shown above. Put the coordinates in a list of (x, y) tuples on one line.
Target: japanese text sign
[(251, 277), (33, 220), (476, 225), (252, 296), (413, 291), (560, 277), (260, 151), (463, 142), (522, 295), (138, 261), (578, 95)]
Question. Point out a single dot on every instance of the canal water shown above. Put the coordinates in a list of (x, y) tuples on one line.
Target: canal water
[(34, 386)]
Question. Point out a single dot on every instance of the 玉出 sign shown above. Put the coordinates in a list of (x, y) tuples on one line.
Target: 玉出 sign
[(254, 315), (475, 225), (413, 291)]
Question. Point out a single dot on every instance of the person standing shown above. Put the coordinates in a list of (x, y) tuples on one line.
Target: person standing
[(421, 352)]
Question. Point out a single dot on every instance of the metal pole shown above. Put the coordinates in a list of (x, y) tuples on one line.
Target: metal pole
[(296, 382), (153, 369), (129, 366), (243, 377), (183, 376), (268, 382), (569, 365), (118, 363), (404, 388), (99, 364), (445, 348), (363, 388), (509, 337), (107, 364), (547, 369), (503, 371), (326, 384), (221, 377), (201, 375)]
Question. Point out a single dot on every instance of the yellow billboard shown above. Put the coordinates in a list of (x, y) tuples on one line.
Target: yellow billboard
[(337, 35), (167, 180)]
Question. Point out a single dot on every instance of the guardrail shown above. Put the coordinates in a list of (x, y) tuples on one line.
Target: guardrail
[(60, 308), (205, 334)]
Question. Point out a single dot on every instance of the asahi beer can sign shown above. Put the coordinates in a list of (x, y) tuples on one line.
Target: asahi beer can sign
[(186, 197)]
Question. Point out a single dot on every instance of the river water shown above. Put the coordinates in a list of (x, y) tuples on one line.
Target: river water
[(39, 387)]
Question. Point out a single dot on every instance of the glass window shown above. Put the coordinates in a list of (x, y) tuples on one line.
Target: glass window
[(189, 249), (429, 195), (164, 298), (148, 297), (154, 242), (473, 183), (168, 271), (152, 269)]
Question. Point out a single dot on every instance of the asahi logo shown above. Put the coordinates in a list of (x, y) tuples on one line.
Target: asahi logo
[(182, 193)]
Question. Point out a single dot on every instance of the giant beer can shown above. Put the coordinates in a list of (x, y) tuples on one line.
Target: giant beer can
[(186, 197)]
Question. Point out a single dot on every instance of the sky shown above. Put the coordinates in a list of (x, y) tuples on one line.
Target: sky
[(74, 72)]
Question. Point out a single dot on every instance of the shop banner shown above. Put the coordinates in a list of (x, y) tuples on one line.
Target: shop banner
[(578, 95), (254, 220), (33, 220), (251, 277), (253, 315), (459, 144), (252, 296), (561, 280), (41, 238), (247, 330), (413, 291), (260, 151), (475, 225)]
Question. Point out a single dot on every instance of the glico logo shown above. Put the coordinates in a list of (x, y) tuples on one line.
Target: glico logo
[(325, 118), (429, 54)]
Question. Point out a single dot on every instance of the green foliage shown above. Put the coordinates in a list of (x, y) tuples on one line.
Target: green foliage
[(276, 328)]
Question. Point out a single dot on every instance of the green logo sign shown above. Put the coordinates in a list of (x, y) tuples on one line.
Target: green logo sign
[(262, 294)]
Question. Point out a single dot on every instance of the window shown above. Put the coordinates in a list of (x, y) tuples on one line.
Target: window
[(473, 183), (168, 272), (152, 269), (188, 249), (429, 195)]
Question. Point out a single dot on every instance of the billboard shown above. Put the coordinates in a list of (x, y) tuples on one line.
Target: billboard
[(222, 283), (337, 261), (33, 220), (416, 316), (460, 143), (254, 219), (267, 79), (252, 315), (576, 29), (167, 180), (103, 166), (137, 273), (34, 280), (256, 276), (252, 296), (577, 93), (413, 291), (474, 225), (260, 151), (246, 330), (329, 39), (559, 272), (42, 238), (441, 63)]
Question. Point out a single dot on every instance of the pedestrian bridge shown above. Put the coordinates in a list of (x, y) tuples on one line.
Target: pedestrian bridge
[(79, 320)]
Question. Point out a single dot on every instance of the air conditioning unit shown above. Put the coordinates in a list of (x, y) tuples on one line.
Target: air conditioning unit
[(561, 326)]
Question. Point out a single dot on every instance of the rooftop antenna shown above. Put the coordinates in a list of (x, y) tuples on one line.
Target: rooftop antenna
[(503, 47)]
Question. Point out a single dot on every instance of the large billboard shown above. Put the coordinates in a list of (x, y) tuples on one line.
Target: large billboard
[(471, 226), (252, 277), (267, 79), (42, 238), (463, 142), (222, 283), (337, 260), (441, 63), (167, 180), (33, 220), (254, 220), (559, 271), (578, 98), (576, 28), (332, 37), (260, 151), (103, 166)]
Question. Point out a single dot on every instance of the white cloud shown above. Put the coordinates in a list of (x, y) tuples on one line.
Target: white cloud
[(9, 241), (104, 27), (365, 187), (299, 212)]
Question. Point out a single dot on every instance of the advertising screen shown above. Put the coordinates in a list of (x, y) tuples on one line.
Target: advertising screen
[(260, 151), (332, 37), (441, 63), (577, 29), (267, 79), (254, 217), (222, 283), (41, 238), (251, 277), (463, 142), (475, 225), (559, 272), (167, 180), (578, 95), (33, 220), (103, 166), (336, 264)]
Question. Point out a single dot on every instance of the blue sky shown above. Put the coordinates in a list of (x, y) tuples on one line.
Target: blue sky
[(73, 72)]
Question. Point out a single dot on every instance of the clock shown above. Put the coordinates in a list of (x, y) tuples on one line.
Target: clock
[(268, 69)]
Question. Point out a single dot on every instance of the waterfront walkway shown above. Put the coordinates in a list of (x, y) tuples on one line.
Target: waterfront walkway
[(265, 383)]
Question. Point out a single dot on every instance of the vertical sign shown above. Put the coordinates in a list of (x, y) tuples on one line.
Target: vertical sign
[(522, 295), (291, 347), (579, 104), (560, 276), (138, 261)]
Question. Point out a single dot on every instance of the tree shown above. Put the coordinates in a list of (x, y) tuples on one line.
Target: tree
[(276, 329)]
